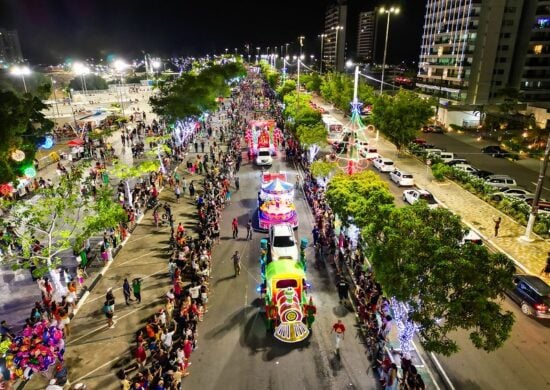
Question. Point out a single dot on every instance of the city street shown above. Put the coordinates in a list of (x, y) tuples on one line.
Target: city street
[(521, 363)]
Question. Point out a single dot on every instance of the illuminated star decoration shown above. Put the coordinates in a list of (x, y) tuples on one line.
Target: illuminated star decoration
[(356, 107)]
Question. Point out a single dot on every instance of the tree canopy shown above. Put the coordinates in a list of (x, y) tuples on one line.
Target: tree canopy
[(192, 94), (22, 128), (400, 117), (420, 259), (311, 134), (285, 88)]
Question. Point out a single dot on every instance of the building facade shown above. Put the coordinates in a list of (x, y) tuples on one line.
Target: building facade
[(335, 36), (10, 49), (472, 50), (366, 36)]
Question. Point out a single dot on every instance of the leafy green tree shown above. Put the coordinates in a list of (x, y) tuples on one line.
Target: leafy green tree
[(311, 137), (322, 169), (22, 128), (287, 87), (125, 172), (93, 82), (193, 93), (60, 216), (361, 197), (420, 259), (311, 81), (400, 117), (38, 84)]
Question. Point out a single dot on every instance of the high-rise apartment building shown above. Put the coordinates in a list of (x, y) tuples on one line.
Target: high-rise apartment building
[(335, 32), (472, 49), (366, 36), (10, 49)]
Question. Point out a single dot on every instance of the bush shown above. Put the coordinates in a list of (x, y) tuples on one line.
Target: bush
[(440, 171)]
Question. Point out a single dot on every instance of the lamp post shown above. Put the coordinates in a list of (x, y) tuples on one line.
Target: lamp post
[(257, 53), (392, 10), (322, 36), (21, 71), (286, 49), (120, 66), (55, 96), (336, 33), (81, 70), (155, 64), (301, 40)]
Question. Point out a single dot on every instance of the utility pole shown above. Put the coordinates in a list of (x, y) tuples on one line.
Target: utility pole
[(535, 205), (322, 36)]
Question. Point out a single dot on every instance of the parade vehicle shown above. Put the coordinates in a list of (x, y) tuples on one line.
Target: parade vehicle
[(262, 136), (276, 203), (289, 307)]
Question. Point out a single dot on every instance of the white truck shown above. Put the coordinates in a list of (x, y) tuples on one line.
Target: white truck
[(264, 157)]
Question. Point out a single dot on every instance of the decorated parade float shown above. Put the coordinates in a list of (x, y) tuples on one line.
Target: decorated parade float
[(262, 135), (289, 308), (276, 202)]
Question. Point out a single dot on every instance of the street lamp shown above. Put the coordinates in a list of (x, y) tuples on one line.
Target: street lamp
[(322, 36), (257, 53), (54, 96), (21, 71), (336, 33), (155, 64), (120, 66), (392, 10), (81, 70), (301, 40), (226, 50), (286, 49)]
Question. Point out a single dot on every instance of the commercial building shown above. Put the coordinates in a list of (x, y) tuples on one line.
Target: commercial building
[(335, 32), (10, 49), (472, 49), (366, 36)]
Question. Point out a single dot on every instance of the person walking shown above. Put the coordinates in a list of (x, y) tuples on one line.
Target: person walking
[(249, 230), (339, 330), (546, 269), (109, 297), (237, 184), (497, 225), (237, 263), (177, 192), (136, 286), (235, 228), (127, 291), (343, 288), (109, 313)]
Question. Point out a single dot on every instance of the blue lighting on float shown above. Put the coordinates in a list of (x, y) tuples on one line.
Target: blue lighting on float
[(259, 289), (48, 143)]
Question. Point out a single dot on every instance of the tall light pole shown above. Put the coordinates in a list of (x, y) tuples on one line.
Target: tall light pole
[(301, 40), (337, 32), (55, 96), (257, 53), (81, 70), (155, 64), (286, 49), (120, 66), (322, 36), (392, 10), (21, 71), (535, 205)]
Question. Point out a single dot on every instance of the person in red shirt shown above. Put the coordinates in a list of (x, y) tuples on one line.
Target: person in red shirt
[(339, 330)]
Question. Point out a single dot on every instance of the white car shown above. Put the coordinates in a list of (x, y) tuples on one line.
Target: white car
[(383, 164), (283, 243), (369, 153), (264, 157), (413, 196), (517, 193), (465, 168), (401, 178)]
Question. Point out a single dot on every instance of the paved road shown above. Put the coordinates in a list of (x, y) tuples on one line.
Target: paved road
[(234, 350), (525, 172)]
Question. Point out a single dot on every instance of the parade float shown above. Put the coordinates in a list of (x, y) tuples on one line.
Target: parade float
[(289, 308), (262, 135), (275, 203)]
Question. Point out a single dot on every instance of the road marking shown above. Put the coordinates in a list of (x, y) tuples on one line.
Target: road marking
[(535, 184), (135, 258), (120, 288), (96, 369), (442, 371), (430, 372)]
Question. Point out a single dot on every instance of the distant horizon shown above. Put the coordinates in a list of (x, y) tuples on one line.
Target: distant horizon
[(52, 32)]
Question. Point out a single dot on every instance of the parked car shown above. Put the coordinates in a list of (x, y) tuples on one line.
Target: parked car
[(369, 153), (544, 205), (482, 174), (532, 294), (495, 151), (465, 168), (282, 242), (510, 192), (433, 129), (472, 238), (401, 178), (457, 161), (499, 181), (413, 196), (432, 152), (418, 141), (447, 157), (383, 164)]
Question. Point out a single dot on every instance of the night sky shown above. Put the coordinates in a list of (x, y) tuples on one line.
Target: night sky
[(51, 31)]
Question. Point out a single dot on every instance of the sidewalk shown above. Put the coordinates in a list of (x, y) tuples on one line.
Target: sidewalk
[(476, 213)]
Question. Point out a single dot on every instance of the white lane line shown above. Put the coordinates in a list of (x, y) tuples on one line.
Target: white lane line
[(96, 369), (120, 288), (430, 371), (535, 184), (135, 258), (442, 371)]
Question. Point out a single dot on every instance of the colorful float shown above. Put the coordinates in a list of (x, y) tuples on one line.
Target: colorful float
[(262, 134), (289, 308), (275, 202)]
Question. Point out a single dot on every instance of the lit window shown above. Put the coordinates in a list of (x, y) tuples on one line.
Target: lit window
[(537, 49)]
